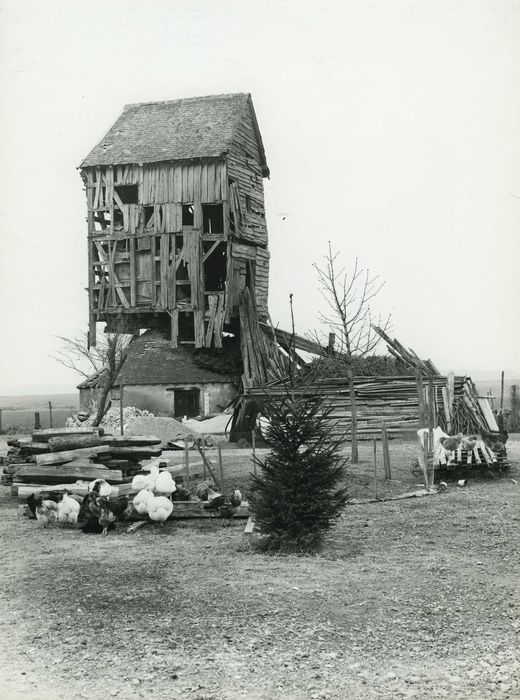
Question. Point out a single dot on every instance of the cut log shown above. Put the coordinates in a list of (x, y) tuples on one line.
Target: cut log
[(47, 433), (23, 491), (62, 443), (132, 440), (65, 474), (134, 452), (70, 455), (35, 448)]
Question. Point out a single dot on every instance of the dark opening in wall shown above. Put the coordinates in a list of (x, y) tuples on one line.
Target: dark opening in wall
[(215, 267), (212, 218), (148, 216), (102, 221), (118, 219), (127, 193), (186, 327), (187, 214), (186, 402)]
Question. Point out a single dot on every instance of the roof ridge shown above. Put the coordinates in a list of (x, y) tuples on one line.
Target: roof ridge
[(188, 99)]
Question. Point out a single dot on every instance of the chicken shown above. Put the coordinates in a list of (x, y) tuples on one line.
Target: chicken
[(31, 501), (230, 508), (214, 498), (451, 443), (68, 510), (165, 484), (145, 481), (469, 443), (100, 487), (495, 441), (181, 494), (89, 507), (92, 527), (141, 501), (111, 511), (159, 509), (46, 511), (202, 491)]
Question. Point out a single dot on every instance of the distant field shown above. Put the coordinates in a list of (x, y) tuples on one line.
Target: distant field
[(37, 402), (23, 420), (484, 386)]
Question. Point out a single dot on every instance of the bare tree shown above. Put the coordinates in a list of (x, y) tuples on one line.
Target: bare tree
[(105, 359), (348, 295)]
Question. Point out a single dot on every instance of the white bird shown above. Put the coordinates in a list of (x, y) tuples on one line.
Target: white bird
[(145, 481), (68, 510), (159, 509), (165, 484), (141, 501)]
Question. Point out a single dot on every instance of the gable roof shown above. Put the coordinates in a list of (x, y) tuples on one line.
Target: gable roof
[(195, 127), (152, 360)]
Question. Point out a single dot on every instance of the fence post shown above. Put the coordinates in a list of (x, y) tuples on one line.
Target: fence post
[(0, 420), (121, 392), (220, 467), (386, 452), (253, 443), (50, 414), (37, 424), (187, 462), (203, 448), (375, 465)]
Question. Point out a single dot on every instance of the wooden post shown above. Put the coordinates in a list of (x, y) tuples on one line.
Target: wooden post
[(386, 452), (50, 414), (121, 393), (203, 448), (431, 425), (37, 424), (0, 420), (420, 397), (330, 346), (187, 462), (375, 466), (425, 453), (253, 443), (220, 467), (354, 456), (502, 391)]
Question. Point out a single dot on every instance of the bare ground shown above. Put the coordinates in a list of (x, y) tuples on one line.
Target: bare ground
[(409, 599)]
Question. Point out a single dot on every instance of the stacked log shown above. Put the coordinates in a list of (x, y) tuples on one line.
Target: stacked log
[(64, 456), (394, 400)]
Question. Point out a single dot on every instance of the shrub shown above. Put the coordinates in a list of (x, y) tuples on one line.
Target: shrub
[(296, 496)]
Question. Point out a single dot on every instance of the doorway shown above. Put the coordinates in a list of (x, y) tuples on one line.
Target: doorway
[(186, 402)]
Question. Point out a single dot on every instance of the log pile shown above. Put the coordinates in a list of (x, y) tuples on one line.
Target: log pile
[(68, 455), (397, 401)]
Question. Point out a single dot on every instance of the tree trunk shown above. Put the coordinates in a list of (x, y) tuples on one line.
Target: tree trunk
[(354, 459), (102, 403)]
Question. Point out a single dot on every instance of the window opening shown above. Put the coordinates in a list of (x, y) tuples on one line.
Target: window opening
[(186, 327), (102, 221), (127, 193), (119, 221), (214, 267), (212, 218), (148, 216), (187, 215)]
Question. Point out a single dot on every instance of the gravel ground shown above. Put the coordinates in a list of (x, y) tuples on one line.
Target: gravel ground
[(409, 599)]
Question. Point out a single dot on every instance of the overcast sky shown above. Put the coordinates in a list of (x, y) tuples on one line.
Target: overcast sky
[(391, 128)]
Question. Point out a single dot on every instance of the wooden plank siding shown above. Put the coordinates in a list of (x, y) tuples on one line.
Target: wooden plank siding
[(137, 240)]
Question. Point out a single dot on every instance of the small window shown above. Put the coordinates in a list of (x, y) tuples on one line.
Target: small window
[(187, 215), (127, 193), (148, 216), (186, 403), (212, 218)]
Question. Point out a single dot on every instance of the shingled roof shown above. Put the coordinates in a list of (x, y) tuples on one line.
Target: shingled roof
[(192, 128), (152, 360)]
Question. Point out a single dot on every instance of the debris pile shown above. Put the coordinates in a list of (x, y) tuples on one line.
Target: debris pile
[(66, 456)]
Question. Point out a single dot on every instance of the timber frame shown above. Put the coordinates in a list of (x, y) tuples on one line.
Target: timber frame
[(181, 244)]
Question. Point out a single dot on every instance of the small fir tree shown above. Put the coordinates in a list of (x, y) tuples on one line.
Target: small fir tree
[(297, 496)]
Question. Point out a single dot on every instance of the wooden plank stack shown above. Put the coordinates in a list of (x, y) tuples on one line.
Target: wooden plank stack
[(68, 455)]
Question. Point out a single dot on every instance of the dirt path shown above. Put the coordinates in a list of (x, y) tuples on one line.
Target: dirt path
[(410, 599)]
